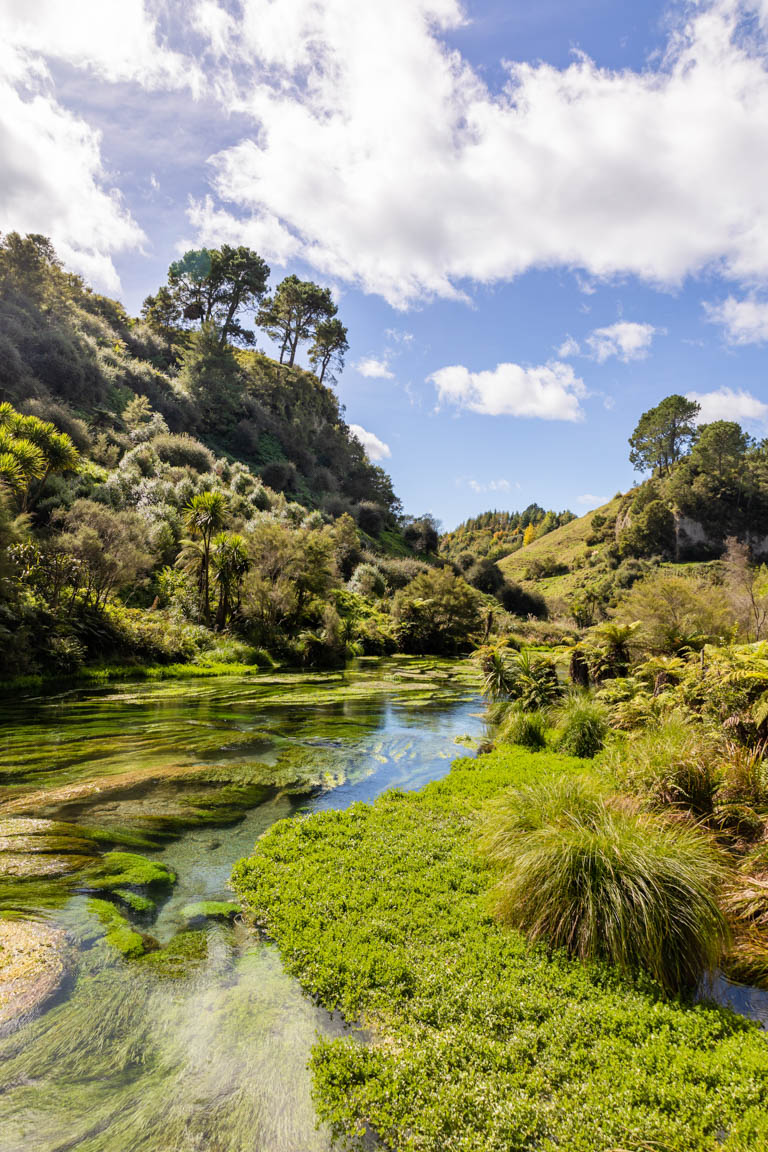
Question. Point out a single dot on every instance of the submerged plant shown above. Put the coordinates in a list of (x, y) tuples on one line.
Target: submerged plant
[(608, 883)]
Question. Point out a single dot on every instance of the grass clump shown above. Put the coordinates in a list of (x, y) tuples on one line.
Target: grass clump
[(518, 726), (583, 726), (608, 883), (673, 763), (483, 1043)]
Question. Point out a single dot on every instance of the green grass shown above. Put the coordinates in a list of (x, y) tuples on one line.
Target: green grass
[(484, 1043), (582, 872)]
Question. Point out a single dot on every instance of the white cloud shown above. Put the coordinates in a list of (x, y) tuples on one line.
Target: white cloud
[(625, 339), (568, 348), (590, 501), (490, 486), (381, 157), (745, 321), (547, 392), (375, 449), (53, 178), (727, 404), (116, 39), (374, 369)]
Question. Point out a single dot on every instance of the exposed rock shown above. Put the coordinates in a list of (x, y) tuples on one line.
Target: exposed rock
[(34, 958)]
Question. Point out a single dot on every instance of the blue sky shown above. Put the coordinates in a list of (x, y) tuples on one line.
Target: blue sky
[(539, 219)]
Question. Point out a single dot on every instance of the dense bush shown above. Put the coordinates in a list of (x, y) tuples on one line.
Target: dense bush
[(437, 612), (183, 452)]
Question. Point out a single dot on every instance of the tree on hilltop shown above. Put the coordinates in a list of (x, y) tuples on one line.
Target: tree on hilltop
[(293, 314), (663, 433)]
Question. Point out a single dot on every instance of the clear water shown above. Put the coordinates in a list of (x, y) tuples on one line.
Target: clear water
[(212, 1054)]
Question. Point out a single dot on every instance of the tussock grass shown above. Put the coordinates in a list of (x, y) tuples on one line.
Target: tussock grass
[(673, 763), (583, 725), (607, 882), (527, 728)]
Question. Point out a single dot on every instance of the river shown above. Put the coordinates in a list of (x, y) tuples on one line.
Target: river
[(203, 1045)]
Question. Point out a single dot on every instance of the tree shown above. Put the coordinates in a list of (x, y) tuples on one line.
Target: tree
[(675, 614), (110, 548), (162, 311), (230, 563), (747, 587), (437, 612), (30, 451), (662, 434), (205, 515), (213, 286), (293, 313), (211, 375), (329, 348), (720, 448)]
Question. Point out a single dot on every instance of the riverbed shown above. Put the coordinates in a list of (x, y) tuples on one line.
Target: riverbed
[(201, 1044)]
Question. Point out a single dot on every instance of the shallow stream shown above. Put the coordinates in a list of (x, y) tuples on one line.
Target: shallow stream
[(203, 1043)]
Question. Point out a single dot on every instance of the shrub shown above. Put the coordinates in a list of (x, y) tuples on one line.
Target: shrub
[(521, 602), (608, 883), (183, 452), (370, 517), (368, 580), (437, 613), (583, 726)]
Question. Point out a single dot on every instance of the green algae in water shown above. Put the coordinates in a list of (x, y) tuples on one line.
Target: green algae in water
[(120, 934), (129, 870), (202, 1044), (210, 910)]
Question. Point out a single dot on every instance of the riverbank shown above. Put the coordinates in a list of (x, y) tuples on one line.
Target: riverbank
[(480, 1042)]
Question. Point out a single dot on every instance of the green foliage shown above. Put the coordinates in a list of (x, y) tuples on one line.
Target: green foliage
[(673, 762), (521, 726), (607, 883), (582, 724), (662, 434), (294, 311), (436, 613), (483, 1043)]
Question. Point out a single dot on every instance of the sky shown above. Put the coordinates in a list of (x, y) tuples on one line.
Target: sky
[(537, 219)]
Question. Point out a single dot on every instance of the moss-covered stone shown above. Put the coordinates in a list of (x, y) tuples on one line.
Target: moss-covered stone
[(183, 953), (128, 870), (210, 910), (120, 934)]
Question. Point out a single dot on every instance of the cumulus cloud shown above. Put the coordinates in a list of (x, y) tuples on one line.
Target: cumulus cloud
[(728, 404), (547, 392), (745, 321), (591, 501), (53, 178), (375, 449), (568, 348), (382, 158), (115, 39), (625, 339), (374, 369)]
